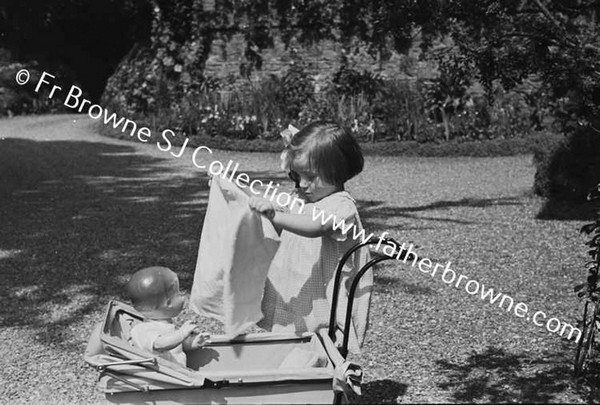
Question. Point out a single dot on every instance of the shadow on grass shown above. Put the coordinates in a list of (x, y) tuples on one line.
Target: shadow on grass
[(374, 212), (589, 383), (382, 283), (381, 392), (498, 377), (77, 218)]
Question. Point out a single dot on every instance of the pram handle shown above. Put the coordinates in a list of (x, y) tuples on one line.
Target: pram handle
[(337, 280)]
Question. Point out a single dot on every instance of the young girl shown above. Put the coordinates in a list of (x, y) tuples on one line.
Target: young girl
[(320, 158)]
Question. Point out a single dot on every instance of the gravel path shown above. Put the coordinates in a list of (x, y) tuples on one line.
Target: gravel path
[(79, 212)]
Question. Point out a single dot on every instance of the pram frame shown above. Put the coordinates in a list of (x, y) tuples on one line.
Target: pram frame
[(337, 283)]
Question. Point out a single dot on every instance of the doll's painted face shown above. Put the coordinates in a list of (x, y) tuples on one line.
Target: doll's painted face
[(175, 299)]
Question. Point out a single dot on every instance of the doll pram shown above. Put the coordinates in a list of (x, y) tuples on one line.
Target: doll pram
[(244, 370)]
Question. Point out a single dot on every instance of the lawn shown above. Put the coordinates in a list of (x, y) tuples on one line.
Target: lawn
[(80, 212)]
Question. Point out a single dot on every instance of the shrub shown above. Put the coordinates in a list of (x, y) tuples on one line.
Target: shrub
[(510, 114), (134, 87), (349, 111), (568, 170), (297, 88), (16, 99), (350, 82), (223, 113), (398, 110)]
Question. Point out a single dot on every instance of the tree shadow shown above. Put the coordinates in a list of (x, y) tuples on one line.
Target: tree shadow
[(589, 384), (375, 212), (466, 202), (498, 377), (381, 392), (382, 283), (77, 218)]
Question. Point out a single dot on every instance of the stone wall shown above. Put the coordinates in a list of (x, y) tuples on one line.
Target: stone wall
[(323, 60)]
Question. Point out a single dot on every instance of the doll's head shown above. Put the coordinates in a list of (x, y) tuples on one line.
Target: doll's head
[(154, 291), (320, 158)]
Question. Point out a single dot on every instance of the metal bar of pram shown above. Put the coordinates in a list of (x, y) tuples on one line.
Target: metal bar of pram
[(338, 276), (336, 285), (101, 367), (125, 381), (344, 348)]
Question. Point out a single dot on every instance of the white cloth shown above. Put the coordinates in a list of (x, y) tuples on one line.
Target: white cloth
[(299, 289), (236, 249), (302, 358), (347, 378), (144, 334)]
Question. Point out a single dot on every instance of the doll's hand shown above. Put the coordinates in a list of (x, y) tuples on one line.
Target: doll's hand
[(188, 329), (200, 340), (262, 206)]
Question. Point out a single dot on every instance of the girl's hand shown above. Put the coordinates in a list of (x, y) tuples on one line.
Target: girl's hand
[(262, 206)]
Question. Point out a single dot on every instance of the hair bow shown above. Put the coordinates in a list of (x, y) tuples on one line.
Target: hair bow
[(288, 133)]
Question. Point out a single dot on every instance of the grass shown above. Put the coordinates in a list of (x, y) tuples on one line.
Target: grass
[(87, 211)]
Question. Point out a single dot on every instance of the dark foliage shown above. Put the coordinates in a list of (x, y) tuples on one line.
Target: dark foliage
[(17, 99), (82, 41), (559, 42), (568, 170), (591, 290), (296, 89), (351, 82)]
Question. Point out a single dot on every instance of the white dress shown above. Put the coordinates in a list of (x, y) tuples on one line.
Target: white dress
[(299, 286)]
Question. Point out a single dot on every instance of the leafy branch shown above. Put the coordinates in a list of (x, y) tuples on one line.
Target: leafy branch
[(591, 290)]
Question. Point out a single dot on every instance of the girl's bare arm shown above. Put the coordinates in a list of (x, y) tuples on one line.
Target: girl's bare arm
[(302, 225)]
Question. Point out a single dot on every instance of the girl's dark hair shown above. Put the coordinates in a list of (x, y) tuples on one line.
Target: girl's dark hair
[(324, 149)]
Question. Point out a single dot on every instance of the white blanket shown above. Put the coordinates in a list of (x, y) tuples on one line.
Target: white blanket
[(236, 250)]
